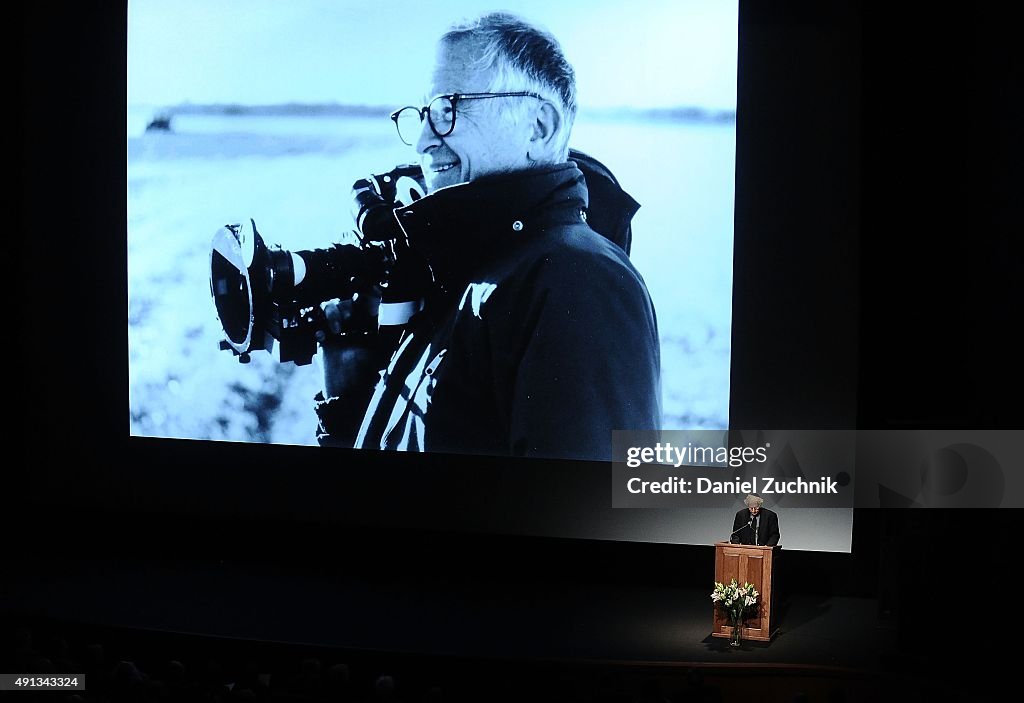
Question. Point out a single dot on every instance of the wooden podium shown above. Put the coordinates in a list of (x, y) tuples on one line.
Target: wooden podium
[(746, 563)]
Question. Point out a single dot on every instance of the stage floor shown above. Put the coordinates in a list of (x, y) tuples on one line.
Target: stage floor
[(431, 614)]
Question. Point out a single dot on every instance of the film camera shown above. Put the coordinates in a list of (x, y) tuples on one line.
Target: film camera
[(265, 293)]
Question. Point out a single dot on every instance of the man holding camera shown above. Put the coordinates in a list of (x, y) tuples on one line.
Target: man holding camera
[(536, 336)]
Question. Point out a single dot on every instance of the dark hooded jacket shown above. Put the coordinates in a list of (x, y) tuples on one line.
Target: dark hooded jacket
[(539, 337)]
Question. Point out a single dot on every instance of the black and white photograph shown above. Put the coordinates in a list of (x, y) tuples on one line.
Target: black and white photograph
[(276, 156)]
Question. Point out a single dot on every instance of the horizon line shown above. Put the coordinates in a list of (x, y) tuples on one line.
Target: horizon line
[(303, 109)]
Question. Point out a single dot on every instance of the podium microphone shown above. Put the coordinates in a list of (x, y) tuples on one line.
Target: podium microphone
[(749, 524)]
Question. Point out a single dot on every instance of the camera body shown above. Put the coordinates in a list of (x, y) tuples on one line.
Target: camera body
[(265, 294)]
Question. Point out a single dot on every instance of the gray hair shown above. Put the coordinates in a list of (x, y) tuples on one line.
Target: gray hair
[(523, 57), (752, 500)]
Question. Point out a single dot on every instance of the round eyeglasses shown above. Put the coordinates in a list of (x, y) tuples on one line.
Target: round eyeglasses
[(440, 114)]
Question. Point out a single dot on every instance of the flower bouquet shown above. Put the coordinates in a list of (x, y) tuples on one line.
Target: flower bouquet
[(735, 600)]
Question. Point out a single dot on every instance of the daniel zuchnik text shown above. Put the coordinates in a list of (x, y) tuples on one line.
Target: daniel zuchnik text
[(676, 484)]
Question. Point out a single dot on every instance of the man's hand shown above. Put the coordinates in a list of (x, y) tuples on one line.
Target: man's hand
[(350, 354)]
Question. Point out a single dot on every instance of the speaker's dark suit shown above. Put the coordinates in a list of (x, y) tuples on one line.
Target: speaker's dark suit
[(767, 527)]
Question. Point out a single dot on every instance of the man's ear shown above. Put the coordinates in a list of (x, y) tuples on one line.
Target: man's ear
[(545, 125)]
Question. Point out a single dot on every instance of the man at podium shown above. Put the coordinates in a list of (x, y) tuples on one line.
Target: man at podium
[(755, 524)]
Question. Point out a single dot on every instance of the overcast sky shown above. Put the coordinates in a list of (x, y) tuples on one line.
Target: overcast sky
[(647, 53)]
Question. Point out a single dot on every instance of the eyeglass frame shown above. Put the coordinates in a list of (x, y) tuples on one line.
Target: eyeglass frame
[(454, 98)]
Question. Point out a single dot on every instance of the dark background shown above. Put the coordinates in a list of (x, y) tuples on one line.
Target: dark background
[(877, 285)]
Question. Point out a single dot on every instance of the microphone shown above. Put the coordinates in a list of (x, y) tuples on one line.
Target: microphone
[(749, 524)]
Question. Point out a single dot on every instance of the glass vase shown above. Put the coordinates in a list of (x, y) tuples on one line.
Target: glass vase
[(737, 630)]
